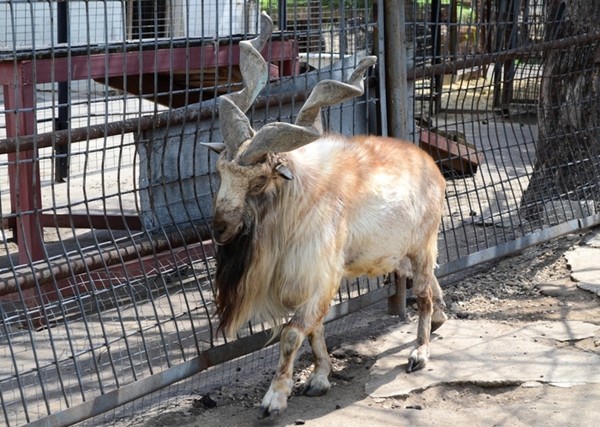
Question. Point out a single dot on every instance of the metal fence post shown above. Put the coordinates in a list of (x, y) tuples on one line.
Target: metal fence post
[(397, 106), (61, 171)]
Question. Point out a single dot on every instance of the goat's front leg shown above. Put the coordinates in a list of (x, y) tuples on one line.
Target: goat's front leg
[(275, 401)]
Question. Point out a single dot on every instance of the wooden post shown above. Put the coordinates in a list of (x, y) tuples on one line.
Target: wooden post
[(395, 75), (397, 302)]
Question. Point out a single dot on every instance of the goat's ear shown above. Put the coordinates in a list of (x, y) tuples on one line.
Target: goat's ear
[(284, 172), (217, 147)]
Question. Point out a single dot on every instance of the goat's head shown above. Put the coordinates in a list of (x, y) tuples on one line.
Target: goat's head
[(251, 163)]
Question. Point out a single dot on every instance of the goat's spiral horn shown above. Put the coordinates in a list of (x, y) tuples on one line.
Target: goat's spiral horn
[(235, 126), (283, 137)]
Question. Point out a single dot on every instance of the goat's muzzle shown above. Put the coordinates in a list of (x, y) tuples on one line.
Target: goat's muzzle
[(223, 231)]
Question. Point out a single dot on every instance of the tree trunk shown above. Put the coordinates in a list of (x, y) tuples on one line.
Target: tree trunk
[(567, 163)]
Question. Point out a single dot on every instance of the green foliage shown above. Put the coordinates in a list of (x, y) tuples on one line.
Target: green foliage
[(326, 4)]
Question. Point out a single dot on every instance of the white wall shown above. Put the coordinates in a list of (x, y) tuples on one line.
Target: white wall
[(34, 24), (214, 18)]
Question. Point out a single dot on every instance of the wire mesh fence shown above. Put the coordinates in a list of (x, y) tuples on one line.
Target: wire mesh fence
[(485, 80), (106, 261)]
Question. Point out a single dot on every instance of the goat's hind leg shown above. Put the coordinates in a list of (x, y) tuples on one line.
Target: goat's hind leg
[(439, 317), (424, 282), (318, 382)]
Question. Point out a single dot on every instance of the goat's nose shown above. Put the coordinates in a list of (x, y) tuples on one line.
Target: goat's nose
[(218, 227)]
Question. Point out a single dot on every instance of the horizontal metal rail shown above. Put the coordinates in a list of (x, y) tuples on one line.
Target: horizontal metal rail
[(518, 244), (20, 54), (449, 67)]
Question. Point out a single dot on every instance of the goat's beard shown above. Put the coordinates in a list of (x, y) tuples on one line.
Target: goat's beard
[(233, 259)]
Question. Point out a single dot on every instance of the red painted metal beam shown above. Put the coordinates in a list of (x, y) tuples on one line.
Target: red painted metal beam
[(48, 70), (24, 170)]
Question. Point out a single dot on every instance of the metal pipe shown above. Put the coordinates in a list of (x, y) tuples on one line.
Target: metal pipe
[(436, 79), (40, 273), (381, 67), (397, 302), (205, 110), (282, 14), (397, 102)]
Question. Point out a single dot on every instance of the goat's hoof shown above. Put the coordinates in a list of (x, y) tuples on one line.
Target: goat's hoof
[(436, 325), (414, 365), (316, 385), (417, 360), (437, 320), (313, 390), (263, 412), (273, 404)]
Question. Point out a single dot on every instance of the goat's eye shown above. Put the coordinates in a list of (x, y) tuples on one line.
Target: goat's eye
[(258, 184)]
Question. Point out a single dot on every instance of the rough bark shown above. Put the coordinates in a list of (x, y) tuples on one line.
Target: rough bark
[(567, 163)]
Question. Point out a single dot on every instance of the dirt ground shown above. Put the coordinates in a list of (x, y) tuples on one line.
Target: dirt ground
[(530, 286)]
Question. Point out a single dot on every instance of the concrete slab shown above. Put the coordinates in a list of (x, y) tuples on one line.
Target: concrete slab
[(560, 288), (585, 264), (593, 239), (487, 353), (590, 287)]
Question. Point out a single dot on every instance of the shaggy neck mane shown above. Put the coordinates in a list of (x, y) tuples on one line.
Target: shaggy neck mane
[(245, 266)]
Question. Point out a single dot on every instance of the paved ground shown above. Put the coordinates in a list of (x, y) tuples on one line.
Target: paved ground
[(492, 354), (486, 353), (508, 376), (522, 348)]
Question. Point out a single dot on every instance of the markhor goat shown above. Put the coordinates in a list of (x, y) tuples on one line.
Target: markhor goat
[(297, 211)]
